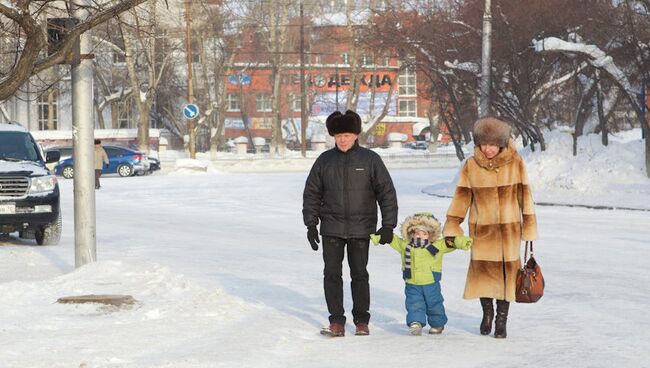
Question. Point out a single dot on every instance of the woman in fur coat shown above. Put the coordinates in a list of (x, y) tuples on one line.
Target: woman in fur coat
[(493, 185)]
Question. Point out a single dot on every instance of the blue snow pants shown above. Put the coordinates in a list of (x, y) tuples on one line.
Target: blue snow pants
[(424, 304)]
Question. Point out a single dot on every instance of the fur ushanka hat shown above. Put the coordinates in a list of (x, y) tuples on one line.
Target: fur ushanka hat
[(422, 220), (338, 123), (491, 131)]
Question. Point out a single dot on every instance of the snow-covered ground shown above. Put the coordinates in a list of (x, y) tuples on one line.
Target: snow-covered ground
[(224, 277)]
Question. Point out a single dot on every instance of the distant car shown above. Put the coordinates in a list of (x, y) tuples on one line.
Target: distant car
[(65, 151), (122, 161), (418, 145), (154, 164)]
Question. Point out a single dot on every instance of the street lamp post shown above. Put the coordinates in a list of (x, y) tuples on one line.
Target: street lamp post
[(190, 86), (484, 105), (83, 147)]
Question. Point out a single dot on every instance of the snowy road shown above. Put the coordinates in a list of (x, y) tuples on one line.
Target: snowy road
[(225, 278)]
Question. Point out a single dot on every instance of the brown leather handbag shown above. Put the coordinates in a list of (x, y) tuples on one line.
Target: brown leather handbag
[(530, 281)]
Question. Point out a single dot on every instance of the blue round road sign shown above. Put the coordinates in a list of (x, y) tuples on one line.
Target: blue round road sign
[(190, 111)]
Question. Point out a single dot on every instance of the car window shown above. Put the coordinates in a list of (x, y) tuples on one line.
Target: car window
[(18, 146), (111, 151)]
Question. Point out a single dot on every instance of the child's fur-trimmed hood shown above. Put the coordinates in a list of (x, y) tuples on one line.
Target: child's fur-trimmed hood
[(426, 220)]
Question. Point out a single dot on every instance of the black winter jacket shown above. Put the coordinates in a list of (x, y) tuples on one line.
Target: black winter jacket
[(343, 189)]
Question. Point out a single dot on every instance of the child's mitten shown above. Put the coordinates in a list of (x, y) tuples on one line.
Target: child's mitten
[(463, 242)]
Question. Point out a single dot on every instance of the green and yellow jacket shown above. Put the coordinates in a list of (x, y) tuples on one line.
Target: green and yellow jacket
[(426, 263)]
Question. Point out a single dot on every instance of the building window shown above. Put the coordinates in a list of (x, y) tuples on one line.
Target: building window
[(119, 58), (294, 102), (233, 102), (407, 108), (319, 59), (196, 56), (366, 60), (263, 102), (345, 58), (386, 61), (406, 82), (48, 110), (124, 114)]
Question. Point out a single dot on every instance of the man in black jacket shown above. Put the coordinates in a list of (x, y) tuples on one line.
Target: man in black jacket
[(342, 191)]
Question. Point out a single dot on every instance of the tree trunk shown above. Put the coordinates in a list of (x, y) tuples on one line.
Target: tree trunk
[(601, 116), (143, 127), (584, 107)]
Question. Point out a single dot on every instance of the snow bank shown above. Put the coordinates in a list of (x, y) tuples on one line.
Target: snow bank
[(612, 176), (165, 302), (192, 166)]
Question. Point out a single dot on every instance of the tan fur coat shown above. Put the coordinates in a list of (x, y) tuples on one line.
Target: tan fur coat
[(501, 214)]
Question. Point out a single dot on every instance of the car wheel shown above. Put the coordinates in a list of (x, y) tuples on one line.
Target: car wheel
[(124, 170), (49, 234), (68, 172)]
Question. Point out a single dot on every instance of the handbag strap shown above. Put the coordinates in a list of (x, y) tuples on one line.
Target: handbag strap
[(528, 244)]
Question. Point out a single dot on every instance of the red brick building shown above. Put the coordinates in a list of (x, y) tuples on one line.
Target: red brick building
[(330, 76)]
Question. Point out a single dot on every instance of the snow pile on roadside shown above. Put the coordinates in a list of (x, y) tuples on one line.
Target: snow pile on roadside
[(192, 166), (168, 309), (159, 294), (612, 175)]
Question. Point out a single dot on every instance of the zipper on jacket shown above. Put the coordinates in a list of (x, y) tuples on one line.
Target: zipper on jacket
[(345, 194)]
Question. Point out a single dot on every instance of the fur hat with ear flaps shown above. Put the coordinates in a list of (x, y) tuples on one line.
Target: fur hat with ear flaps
[(418, 221), (491, 131), (338, 123)]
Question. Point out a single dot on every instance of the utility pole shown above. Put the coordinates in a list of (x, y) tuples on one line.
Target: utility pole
[(83, 146), (336, 69), (190, 85), (484, 105), (303, 91)]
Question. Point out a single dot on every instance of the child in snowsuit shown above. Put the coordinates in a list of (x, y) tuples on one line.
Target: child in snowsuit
[(421, 252)]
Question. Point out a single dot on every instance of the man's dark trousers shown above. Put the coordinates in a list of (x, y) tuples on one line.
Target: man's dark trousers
[(333, 252)]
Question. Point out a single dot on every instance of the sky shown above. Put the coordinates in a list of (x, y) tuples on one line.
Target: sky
[(223, 275)]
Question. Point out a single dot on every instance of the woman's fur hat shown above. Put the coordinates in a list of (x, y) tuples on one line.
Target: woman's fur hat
[(491, 131), (338, 123), (421, 220)]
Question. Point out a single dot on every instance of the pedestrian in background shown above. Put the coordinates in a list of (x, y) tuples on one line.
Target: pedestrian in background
[(494, 186), (341, 192), (101, 159)]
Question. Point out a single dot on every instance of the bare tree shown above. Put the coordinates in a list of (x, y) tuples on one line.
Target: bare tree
[(145, 69), (30, 42)]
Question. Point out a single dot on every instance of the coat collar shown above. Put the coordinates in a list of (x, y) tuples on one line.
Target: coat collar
[(352, 149), (504, 157)]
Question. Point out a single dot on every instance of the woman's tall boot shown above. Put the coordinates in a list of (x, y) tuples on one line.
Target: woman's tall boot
[(488, 316), (502, 318)]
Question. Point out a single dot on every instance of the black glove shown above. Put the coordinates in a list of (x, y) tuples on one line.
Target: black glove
[(450, 241), (106, 165), (312, 236), (386, 235)]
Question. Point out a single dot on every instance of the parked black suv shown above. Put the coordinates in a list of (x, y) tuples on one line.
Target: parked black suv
[(29, 193)]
